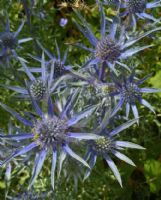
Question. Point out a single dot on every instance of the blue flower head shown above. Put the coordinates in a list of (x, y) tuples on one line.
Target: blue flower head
[(9, 40), (49, 132), (130, 93), (111, 48), (59, 62), (108, 145), (39, 85), (137, 9)]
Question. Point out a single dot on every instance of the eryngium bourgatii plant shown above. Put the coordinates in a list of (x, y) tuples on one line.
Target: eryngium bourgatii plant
[(96, 91)]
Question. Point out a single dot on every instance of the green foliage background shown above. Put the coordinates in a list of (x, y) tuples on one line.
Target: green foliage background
[(140, 183)]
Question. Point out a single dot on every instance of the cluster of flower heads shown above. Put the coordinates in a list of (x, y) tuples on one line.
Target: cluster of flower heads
[(74, 109)]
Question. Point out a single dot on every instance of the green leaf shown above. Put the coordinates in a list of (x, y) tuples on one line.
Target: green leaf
[(152, 169), (155, 81)]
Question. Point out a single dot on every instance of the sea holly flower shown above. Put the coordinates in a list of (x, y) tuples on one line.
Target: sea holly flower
[(111, 48), (59, 66), (129, 93), (49, 132), (108, 145), (9, 40), (55, 67), (137, 9), (39, 87)]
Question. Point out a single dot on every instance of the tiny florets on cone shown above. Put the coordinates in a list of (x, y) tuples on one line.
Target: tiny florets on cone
[(8, 40), (136, 6), (107, 50), (38, 89), (50, 131)]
